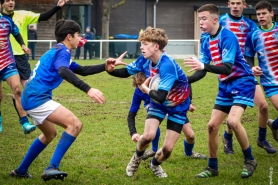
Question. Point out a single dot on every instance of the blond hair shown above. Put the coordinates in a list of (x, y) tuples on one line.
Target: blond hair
[(156, 35)]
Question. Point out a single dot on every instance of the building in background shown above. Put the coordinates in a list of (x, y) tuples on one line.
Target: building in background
[(177, 17)]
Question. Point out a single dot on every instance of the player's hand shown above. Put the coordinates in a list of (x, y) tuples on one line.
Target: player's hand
[(145, 86), (192, 108), (96, 95), (26, 50), (257, 71), (61, 3), (112, 62), (135, 137), (194, 63)]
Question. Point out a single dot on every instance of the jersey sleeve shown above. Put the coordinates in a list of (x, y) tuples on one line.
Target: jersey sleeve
[(204, 50), (136, 101), (73, 66), (168, 75), (136, 66), (249, 50), (229, 46), (14, 29), (62, 59)]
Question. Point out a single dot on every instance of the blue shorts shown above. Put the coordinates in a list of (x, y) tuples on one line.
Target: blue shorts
[(236, 91), (270, 90), (176, 114), (8, 71)]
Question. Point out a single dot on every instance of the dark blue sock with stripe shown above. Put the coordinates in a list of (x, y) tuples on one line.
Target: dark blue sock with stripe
[(213, 163), (248, 154), (262, 134)]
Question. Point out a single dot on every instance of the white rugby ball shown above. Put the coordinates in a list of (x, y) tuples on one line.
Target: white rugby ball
[(153, 85)]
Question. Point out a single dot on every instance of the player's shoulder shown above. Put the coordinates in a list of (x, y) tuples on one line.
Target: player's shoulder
[(22, 12), (223, 16)]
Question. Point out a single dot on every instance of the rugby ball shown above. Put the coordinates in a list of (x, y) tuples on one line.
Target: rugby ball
[(153, 85)]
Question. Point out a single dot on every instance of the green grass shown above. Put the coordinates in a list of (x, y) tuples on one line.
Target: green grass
[(104, 147)]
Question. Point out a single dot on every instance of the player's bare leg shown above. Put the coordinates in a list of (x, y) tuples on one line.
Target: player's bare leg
[(217, 118), (189, 142), (273, 124), (234, 118), (164, 153), (14, 83), (150, 129), (262, 105)]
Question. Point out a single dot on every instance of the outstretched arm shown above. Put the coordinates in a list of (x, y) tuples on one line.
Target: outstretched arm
[(47, 15), (110, 67), (224, 69), (20, 41), (69, 76)]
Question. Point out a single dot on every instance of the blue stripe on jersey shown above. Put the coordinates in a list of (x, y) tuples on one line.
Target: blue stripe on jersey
[(45, 77), (224, 48), (265, 44)]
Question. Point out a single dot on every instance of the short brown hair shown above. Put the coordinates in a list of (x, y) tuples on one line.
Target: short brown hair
[(156, 35), (138, 79), (263, 5), (243, 1), (211, 8)]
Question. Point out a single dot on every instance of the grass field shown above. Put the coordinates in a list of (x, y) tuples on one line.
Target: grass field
[(104, 147)]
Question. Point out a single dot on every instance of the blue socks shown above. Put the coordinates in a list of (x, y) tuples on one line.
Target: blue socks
[(65, 142), (275, 124), (188, 148), (213, 163), (248, 154), (262, 134), (23, 120), (228, 136), (155, 162), (35, 149), (138, 153), (156, 140)]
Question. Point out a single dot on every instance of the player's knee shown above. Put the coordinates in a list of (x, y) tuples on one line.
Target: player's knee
[(211, 127), (75, 126), (263, 108), (147, 138), (17, 91), (233, 124), (166, 152), (190, 137)]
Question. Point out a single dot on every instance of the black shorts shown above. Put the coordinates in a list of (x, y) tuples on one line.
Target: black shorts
[(23, 66)]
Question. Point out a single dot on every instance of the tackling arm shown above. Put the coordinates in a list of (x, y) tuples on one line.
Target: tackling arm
[(69, 76)]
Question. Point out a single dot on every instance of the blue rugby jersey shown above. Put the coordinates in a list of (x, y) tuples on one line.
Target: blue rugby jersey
[(172, 78), (45, 77), (139, 96), (7, 27), (224, 48), (265, 44), (240, 28)]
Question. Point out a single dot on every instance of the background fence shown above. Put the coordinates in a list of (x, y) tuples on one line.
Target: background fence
[(178, 49)]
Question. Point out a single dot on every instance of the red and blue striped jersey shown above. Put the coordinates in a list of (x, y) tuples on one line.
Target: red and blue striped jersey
[(265, 44), (172, 78), (224, 48), (7, 27), (240, 27)]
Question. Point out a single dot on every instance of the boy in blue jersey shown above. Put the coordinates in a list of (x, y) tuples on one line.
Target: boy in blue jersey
[(264, 42), (22, 19), (54, 67), (241, 26), (236, 86), (8, 71), (172, 95), (139, 96)]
